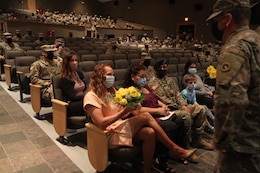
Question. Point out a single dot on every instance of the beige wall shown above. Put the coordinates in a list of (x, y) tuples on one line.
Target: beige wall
[(32, 5)]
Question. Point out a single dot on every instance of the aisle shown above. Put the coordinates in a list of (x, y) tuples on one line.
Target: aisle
[(21, 113)]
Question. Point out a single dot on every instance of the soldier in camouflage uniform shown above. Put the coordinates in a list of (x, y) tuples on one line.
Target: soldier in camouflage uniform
[(43, 70), (237, 96), (168, 92), (40, 41), (17, 36), (7, 45), (59, 44), (200, 54), (146, 61)]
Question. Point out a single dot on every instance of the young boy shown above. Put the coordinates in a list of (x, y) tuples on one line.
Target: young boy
[(189, 95)]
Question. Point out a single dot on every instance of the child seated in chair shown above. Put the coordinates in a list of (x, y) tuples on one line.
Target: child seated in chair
[(189, 94)]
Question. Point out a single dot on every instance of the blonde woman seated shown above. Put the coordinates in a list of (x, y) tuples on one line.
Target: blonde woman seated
[(140, 127)]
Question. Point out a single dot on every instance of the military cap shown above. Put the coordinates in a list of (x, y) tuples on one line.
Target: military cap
[(146, 56), (48, 48), (7, 35), (160, 62), (40, 34), (224, 5), (59, 41), (17, 31)]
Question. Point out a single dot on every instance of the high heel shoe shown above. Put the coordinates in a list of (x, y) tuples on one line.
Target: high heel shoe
[(190, 152), (183, 154)]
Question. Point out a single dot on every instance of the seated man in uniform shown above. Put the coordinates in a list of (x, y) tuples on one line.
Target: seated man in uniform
[(42, 71), (7, 45), (194, 116)]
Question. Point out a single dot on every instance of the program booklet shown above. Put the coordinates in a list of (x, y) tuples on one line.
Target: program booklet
[(168, 116)]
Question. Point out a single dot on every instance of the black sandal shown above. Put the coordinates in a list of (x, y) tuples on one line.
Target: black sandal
[(163, 168)]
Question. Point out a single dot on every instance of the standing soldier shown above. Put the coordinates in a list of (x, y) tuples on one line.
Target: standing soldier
[(237, 95), (43, 70)]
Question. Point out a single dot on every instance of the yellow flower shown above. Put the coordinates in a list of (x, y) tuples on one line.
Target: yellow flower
[(123, 92), (118, 98), (210, 68), (123, 102), (129, 97), (133, 92), (212, 72)]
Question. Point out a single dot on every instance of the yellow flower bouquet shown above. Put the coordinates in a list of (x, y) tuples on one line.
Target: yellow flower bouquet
[(128, 97), (212, 72)]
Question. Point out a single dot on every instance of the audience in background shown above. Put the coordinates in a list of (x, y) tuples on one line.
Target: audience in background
[(29, 35), (40, 40), (6, 45), (113, 49), (18, 36)]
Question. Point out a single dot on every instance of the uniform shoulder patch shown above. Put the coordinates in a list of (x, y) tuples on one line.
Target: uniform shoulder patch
[(225, 66)]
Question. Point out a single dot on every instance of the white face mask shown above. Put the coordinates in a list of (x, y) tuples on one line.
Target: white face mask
[(109, 82), (191, 86)]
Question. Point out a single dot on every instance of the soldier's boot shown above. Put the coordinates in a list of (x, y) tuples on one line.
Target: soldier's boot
[(199, 142)]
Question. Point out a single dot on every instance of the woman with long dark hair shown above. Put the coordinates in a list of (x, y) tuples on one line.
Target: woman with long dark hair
[(72, 83)]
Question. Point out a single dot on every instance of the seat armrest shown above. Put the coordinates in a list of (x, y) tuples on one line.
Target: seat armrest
[(7, 65), (7, 70), (59, 116), (19, 72), (35, 91), (97, 146)]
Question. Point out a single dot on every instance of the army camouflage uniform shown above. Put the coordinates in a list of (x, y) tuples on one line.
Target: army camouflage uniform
[(6, 47), (237, 96), (169, 93), (202, 57), (237, 99), (150, 72), (41, 72), (257, 30)]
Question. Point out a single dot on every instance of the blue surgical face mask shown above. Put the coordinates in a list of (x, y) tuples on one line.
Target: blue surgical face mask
[(192, 70), (109, 82), (191, 86), (141, 82)]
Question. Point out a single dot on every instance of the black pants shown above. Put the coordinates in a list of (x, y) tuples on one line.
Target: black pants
[(76, 108)]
